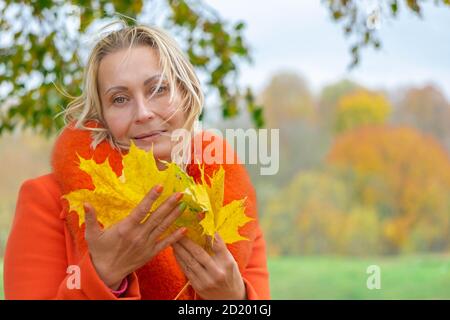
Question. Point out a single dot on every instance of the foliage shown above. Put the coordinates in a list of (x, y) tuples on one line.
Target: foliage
[(426, 109), (44, 42), (42, 48), (317, 213), (361, 19), (405, 176), (361, 108), (303, 217), (290, 106), (385, 190), (287, 99), (328, 101)]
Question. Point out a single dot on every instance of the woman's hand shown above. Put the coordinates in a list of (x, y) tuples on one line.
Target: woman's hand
[(212, 277), (120, 250)]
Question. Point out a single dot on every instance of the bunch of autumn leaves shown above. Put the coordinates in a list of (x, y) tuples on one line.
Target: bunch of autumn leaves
[(115, 197)]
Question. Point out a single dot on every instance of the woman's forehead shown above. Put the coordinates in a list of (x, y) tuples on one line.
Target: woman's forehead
[(136, 66)]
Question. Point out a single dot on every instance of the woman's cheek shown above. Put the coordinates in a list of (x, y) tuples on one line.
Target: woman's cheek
[(175, 117), (118, 125)]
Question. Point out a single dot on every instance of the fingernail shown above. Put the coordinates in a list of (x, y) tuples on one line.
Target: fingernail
[(182, 206), (179, 196), (159, 188), (183, 230)]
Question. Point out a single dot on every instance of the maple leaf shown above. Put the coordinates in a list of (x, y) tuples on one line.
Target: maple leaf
[(225, 220), (115, 197)]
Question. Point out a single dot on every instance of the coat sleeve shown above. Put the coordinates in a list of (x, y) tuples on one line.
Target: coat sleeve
[(36, 264), (256, 275)]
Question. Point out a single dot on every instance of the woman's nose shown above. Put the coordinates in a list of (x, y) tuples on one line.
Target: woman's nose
[(144, 111)]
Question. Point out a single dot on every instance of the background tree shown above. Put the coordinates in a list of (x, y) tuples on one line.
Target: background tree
[(385, 191), (43, 43), (361, 108), (304, 216), (329, 98), (405, 176), (316, 213), (287, 99), (290, 106), (426, 109), (361, 20)]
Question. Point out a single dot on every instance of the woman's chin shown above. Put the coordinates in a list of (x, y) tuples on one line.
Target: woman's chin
[(147, 144), (161, 150), (144, 145)]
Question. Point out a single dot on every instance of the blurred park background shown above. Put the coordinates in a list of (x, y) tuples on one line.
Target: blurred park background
[(364, 119)]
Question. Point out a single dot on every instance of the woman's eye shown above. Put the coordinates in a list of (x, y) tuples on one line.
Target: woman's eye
[(119, 100), (161, 89)]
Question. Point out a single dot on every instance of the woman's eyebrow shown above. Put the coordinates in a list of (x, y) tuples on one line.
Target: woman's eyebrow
[(156, 76), (152, 78), (116, 88)]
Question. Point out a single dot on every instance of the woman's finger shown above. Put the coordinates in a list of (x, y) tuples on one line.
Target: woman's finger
[(219, 247), (143, 208), (170, 239), (93, 229), (166, 223), (221, 252), (200, 255), (195, 281), (157, 218), (191, 264)]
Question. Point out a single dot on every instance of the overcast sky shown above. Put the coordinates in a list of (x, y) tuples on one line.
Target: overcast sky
[(300, 36)]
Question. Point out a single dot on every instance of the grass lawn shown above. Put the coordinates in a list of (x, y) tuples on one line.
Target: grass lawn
[(328, 277)]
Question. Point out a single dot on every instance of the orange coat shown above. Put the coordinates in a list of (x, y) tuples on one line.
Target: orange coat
[(45, 238)]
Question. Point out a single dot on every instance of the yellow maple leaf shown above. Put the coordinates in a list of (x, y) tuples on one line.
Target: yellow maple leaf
[(115, 197), (225, 220)]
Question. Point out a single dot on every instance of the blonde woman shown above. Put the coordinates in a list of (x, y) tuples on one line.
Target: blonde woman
[(139, 87)]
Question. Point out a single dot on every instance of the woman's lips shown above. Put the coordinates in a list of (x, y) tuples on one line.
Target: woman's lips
[(150, 136)]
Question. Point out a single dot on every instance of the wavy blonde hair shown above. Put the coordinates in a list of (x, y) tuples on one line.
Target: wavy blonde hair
[(176, 69)]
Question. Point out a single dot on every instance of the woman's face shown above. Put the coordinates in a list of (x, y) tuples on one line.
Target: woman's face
[(133, 106)]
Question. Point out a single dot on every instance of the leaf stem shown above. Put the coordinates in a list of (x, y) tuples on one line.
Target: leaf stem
[(182, 290)]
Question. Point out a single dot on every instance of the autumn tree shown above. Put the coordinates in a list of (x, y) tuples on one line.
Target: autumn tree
[(426, 109), (329, 98), (405, 176), (287, 98), (290, 106), (316, 214), (304, 216), (43, 43), (361, 108)]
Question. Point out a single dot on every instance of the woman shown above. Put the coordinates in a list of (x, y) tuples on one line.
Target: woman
[(138, 87)]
